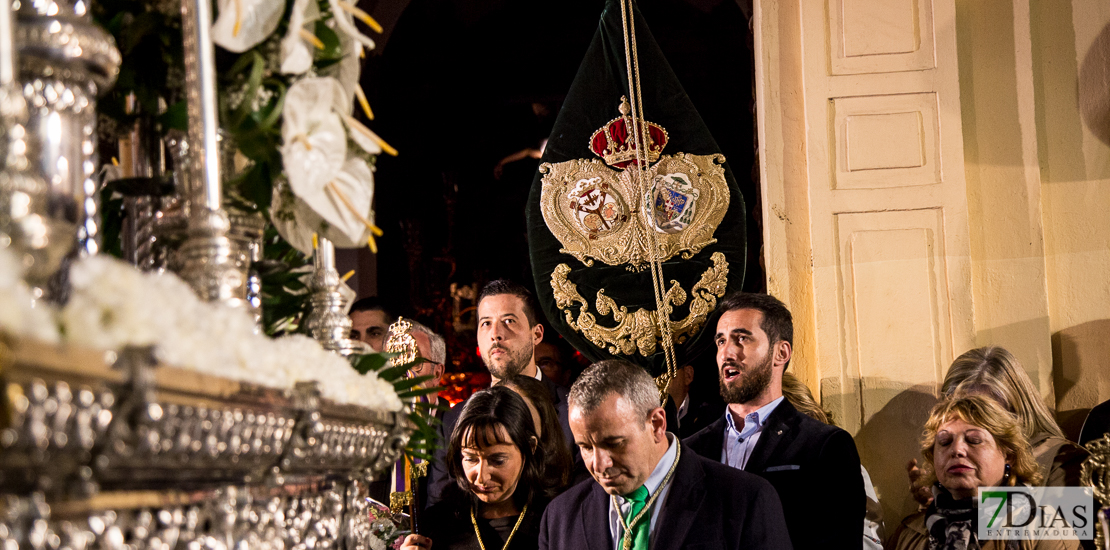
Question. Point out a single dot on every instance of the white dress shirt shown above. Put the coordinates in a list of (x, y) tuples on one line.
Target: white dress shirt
[(682, 410), (616, 528)]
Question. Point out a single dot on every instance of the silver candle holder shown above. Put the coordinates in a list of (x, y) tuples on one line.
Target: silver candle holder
[(210, 259), (65, 61), (327, 320)]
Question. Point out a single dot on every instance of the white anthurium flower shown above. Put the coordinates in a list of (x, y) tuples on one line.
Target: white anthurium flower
[(361, 135), (315, 145), (353, 192), (341, 11), (296, 221), (299, 41), (243, 24), (347, 72)]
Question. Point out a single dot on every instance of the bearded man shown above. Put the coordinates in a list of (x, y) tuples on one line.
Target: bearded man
[(814, 467), (508, 332)]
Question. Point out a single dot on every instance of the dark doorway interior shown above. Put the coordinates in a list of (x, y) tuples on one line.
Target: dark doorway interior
[(465, 88)]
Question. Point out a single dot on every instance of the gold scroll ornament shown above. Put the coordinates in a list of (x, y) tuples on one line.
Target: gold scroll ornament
[(638, 331), (598, 213), (1095, 473)]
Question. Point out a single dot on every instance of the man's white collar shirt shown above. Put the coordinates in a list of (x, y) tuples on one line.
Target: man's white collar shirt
[(683, 409)]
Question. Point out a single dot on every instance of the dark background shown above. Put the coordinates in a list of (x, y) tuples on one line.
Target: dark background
[(458, 85)]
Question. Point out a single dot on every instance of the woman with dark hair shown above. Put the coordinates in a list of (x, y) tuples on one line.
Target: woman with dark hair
[(557, 457), (499, 494)]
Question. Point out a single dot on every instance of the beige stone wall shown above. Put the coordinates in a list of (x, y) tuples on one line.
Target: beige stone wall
[(1035, 87), (1071, 73), (1022, 254)]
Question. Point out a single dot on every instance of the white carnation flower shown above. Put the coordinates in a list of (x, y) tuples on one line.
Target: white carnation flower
[(114, 305), (20, 313)]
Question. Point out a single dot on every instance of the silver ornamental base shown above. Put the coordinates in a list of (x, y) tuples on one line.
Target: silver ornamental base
[(138, 455), (329, 514), (211, 261)]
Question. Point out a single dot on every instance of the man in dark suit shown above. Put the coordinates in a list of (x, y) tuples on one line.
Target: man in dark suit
[(686, 413), (647, 492), (814, 467), (507, 336)]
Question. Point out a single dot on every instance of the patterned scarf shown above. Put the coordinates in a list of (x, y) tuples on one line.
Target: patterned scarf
[(951, 523)]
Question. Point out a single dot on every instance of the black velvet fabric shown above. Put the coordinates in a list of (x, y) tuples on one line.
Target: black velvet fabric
[(592, 102)]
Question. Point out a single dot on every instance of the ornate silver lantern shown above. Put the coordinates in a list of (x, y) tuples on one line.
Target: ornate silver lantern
[(64, 62)]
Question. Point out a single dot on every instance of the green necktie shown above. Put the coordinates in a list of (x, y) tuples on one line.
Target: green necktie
[(642, 530)]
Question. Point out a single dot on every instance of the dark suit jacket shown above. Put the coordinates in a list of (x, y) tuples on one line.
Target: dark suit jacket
[(699, 415), (709, 506), (437, 472), (814, 468), (1096, 424)]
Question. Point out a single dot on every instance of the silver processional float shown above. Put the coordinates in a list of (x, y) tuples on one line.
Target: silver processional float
[(113, 448)]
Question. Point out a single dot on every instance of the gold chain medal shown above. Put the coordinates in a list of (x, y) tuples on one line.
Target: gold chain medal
[(635, 223), (478, 534)]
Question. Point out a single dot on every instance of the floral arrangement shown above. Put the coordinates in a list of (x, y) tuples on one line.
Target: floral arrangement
[(18, 314), (113, 305), (288, 75), (326, 154), (387, 529)]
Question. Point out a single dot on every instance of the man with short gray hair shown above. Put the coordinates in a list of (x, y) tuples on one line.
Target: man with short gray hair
[(433, 348), (647, 492)]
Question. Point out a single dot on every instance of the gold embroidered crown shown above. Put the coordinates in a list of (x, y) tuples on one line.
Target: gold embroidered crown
[(401, 342), (616, 144)]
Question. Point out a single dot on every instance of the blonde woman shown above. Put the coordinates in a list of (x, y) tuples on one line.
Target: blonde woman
[(969, 442), (994, 372)]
